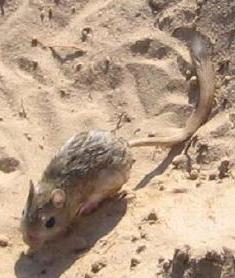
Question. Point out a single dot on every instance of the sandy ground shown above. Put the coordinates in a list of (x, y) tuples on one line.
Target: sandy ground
[(126, 66)]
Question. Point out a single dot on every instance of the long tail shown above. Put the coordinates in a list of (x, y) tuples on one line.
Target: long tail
[(206, 76)]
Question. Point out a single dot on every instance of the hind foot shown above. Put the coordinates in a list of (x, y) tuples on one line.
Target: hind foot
[(88, 207)]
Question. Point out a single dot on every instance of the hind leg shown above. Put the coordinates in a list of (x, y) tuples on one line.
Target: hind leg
[(89, 206), (106, 185)]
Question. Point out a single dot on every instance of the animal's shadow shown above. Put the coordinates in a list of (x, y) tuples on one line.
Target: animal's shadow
[(57, 257), (160, 169), (67, 57)]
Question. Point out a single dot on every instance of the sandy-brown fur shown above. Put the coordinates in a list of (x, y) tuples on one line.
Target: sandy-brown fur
[(93, 165)]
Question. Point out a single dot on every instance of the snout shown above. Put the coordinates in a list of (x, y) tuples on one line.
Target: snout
[(32, 239)]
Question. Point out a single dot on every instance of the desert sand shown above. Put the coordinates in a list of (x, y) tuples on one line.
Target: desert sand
[(67, 66)]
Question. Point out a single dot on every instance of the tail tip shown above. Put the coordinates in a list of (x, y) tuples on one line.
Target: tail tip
[(200, 47)]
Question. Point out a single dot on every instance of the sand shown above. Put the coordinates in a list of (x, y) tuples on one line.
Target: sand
[(69, 66)]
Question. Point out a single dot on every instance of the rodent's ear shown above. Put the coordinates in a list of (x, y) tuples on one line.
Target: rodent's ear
[(58, 198)]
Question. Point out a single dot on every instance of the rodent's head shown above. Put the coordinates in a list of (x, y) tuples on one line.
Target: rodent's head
[(44, 216)]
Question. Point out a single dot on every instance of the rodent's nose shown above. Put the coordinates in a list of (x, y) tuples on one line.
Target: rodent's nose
[(31, 238)]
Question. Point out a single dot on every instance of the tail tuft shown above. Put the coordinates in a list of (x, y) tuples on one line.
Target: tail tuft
[(199, 48)]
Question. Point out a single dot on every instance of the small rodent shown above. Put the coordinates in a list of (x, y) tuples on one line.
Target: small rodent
[(94, 165)]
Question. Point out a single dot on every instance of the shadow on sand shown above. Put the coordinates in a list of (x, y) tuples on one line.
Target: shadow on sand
[(160, 169), (64, 252)]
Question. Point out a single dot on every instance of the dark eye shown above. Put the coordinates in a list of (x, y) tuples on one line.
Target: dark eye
[(50, 223), (23, 212)]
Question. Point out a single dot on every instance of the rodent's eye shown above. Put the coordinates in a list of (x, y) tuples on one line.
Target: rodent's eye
[(23, 212), (50, 223)]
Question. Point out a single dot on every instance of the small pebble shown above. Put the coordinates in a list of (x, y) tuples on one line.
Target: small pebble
[(156, 5), (62, 93), (198, 184), (22, 114), (143, 235), (134, 262), (87, 275), (97, 266), (152, 216), (188, 74), (193, 80), (140, 249), (78, 67), (35, 65), (200, 2), (8, 164), (130, 237), (227, 78), (232, 173), (203, 176), (126, 118), (34, 42), (134, 238), (136, 130), (196, 167), (50, 14), (28, 136), (42, 15), (193, 174), (218, 85), (213, 175), (161, 260), (4, 242), (151, 134), (166, 266), (180, 161), (223, 168), (178, 190), (105, 65), (85, 33)]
